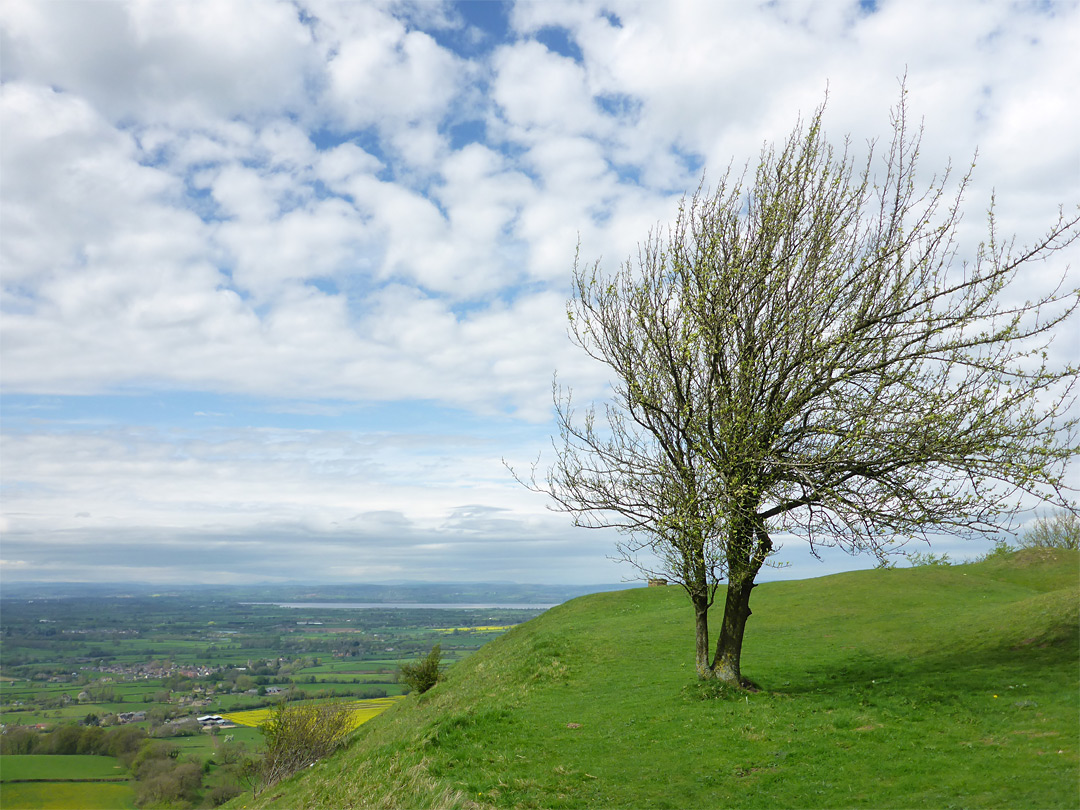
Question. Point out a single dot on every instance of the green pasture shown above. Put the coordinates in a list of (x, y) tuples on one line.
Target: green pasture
[(933, 687), (138, 692), (67, 796), (32, 716), (42, 766), (251, 737), (29, 715), (350, 667), (231, 703), (206, 745), (23, 689), (347, 687), (243, 655), (375, 665), (343, 677), (354, 665)]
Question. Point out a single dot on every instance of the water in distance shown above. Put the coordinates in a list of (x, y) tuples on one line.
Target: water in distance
[(408, 605)]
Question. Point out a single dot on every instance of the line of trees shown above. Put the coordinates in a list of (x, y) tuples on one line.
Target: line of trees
[(121, 742)]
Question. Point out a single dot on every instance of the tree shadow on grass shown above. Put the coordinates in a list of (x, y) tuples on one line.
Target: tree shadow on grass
[(954, 670)]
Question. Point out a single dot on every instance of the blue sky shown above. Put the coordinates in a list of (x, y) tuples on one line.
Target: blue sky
[(285, 282)]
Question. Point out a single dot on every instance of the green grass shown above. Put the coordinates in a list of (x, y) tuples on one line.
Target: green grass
[(927, 687), (47, 766), (66, 792), (67, 796)]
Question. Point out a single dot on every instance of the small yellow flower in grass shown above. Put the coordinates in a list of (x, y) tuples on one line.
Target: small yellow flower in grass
[(995, 695)]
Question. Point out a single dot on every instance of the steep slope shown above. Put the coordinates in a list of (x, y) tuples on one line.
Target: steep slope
[(920, 687)]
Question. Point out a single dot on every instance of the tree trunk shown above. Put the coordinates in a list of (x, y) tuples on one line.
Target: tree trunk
[(701, 636), (729, 642)]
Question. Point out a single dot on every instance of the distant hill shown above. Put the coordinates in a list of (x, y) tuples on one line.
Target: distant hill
[(924, 687)]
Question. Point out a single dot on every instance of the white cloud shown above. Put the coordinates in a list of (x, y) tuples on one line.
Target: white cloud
[(177, 62), (325, 200), (379, 73), (72, 184), (542, 93), (337, 165)]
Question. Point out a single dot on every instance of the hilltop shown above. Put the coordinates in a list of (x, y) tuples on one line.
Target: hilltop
[(921, 687)]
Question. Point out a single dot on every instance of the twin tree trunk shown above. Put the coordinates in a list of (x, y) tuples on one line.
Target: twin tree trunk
[(748, 546), (724, 666)]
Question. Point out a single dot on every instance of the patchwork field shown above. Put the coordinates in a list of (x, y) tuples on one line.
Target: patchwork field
[(80, 664)]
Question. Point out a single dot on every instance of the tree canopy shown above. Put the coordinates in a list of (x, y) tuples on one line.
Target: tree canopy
[(808, 349)]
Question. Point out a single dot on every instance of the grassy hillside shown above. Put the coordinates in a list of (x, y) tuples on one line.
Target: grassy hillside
[(925, 687)]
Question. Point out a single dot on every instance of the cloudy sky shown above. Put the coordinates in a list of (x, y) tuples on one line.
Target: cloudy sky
[(284, 282)]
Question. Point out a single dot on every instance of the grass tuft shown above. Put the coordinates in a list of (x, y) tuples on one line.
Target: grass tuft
[(713, 690)]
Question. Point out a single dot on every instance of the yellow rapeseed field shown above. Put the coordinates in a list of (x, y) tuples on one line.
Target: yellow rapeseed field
[(362, 711), (487, 628)]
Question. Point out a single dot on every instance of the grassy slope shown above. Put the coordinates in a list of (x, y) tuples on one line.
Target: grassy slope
[(927, 687)]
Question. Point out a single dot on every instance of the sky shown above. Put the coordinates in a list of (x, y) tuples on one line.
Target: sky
[(284, 283)]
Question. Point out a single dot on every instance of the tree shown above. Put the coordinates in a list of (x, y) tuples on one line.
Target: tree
[(18, 740), (123, 742), (421, 675), (296, 736), (1058, 531), (803, 351), (65, 740)]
